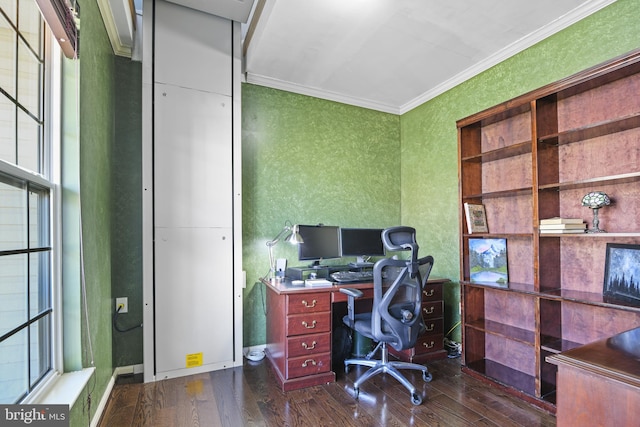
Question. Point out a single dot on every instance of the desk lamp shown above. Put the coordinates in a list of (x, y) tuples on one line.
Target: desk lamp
[(595, 201), (294, 238)]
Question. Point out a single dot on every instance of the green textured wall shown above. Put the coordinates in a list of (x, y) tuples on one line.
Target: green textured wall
[(300, 152), (309, 161), (97, 93), (126, 222), (429, 135)]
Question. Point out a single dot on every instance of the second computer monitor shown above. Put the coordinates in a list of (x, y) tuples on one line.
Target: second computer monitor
[(361, 243)]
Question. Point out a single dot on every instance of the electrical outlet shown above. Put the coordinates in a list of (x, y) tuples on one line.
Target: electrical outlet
[(124, 303)]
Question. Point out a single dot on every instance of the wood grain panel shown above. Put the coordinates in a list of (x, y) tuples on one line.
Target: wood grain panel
[(585, 326), (508, 308), (572, 113), (507, 132), (498, 209), (507, 174), (514, 354)]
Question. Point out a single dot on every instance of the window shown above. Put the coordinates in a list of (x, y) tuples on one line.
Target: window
[(26, 312)]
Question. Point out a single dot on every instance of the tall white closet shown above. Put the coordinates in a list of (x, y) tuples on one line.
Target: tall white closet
[(192, 286)]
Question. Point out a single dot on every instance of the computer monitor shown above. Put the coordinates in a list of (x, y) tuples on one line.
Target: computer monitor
[(361, 243), (320, 242)]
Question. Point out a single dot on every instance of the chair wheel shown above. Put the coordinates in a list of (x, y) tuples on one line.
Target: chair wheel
[(427, 377), (346, 369), (416, 399)]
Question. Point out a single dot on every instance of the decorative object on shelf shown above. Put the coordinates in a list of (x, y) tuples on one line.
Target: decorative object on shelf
[(622, 272), (488, 261), (595, 200), (476, 218), (294, 238)]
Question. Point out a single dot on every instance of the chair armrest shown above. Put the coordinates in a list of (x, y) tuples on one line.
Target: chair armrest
[(354, 293)]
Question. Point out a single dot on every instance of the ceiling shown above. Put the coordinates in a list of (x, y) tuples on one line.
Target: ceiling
[(387, 55)]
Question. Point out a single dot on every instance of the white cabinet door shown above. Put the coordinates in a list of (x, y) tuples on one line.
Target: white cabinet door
[(193, 154), (192, 151), (194, 299)]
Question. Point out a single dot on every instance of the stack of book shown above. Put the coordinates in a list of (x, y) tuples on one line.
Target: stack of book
[(562, 225)]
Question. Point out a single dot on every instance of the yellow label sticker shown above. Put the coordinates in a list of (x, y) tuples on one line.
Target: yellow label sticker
[(194, 360)]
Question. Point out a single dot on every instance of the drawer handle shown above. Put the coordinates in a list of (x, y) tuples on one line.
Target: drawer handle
[(428, 345), (306, 304), (428, 293), (428, 311), (306, 346), (313, 324), (431, 327), (306, 362)]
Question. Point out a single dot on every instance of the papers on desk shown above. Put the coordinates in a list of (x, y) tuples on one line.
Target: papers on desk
[(317, 283)]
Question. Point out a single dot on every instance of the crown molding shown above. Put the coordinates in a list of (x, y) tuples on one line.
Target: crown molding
[(514, 48), (116, 27), (319, 93)]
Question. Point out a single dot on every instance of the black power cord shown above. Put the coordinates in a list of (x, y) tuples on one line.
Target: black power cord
[(115, 322)]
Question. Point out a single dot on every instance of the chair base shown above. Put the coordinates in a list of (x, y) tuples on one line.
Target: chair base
[(384, 365)]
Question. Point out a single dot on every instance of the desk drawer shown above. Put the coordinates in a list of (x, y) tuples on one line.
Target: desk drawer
[(312, 323), (428, 343), (340, 297), (432, 310), (308, 303), (434, 326), (309, 344), (432, 292), (308, 365), (427, 348)]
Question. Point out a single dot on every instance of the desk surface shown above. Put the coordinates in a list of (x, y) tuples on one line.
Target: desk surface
[(285, 286), (615, 358)]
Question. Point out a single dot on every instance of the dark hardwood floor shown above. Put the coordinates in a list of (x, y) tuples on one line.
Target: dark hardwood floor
[(249, 396)]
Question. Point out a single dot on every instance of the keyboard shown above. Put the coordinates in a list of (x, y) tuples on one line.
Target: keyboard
[(352, 276)]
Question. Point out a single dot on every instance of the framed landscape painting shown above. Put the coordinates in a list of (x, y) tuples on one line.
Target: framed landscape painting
[(488, 261), (622, 272)]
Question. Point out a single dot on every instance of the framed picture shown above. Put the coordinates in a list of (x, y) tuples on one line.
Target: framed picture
[(622, 272), (476, 218), (488, 261)]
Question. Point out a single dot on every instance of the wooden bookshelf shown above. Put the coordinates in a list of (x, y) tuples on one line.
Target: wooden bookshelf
[(534, 157)]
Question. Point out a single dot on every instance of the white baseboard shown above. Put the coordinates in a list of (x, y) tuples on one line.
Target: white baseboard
[(126, 370), (120, 370), (103, 402)]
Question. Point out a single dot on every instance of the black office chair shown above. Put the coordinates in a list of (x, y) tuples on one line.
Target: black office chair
[(396, 317)]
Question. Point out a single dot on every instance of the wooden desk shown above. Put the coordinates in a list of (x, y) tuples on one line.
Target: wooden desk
[(299, 326), (598, 384)]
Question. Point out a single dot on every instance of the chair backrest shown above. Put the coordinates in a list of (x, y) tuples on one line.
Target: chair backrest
[(397, 301)]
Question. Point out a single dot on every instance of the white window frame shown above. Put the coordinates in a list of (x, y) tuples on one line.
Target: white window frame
[(51, 115), (52, 165)]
